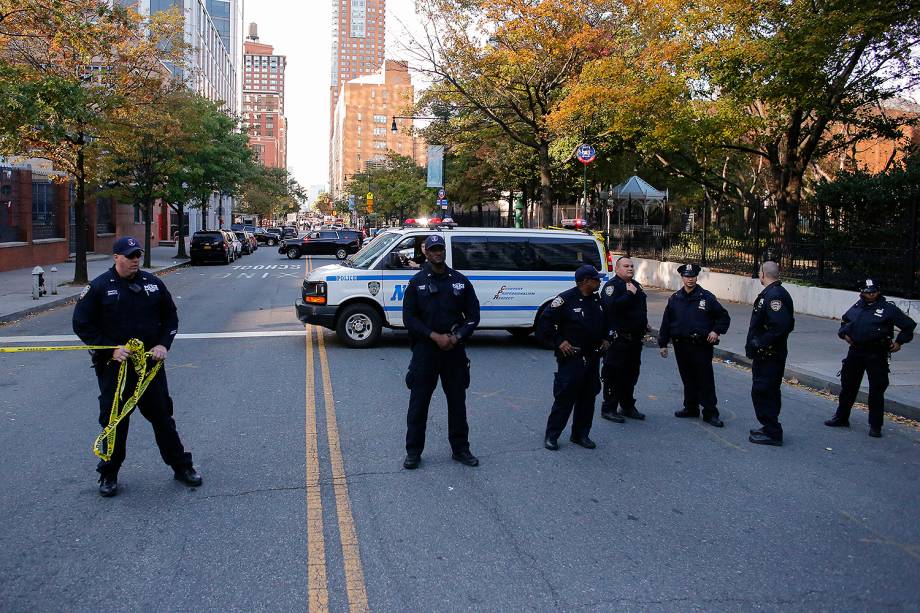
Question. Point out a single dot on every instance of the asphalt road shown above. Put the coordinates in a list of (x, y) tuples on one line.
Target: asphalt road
[(305, 503)]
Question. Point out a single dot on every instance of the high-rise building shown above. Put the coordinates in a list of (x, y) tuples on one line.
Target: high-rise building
[(358, 41), (263, 100), (361, 134)]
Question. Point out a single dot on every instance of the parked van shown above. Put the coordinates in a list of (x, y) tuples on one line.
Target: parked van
[(515, 272)]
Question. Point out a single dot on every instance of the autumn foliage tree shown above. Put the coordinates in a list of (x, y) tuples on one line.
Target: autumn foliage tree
[(71, 70), (510, 62)]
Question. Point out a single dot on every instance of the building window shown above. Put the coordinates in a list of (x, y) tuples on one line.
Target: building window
[(380, 118), (379, 144)]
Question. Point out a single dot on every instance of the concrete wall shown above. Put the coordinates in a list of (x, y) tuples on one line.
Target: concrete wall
[(818, 301)]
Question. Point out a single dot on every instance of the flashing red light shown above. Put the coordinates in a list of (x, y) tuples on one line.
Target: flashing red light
[(410, 222), (434, 220)]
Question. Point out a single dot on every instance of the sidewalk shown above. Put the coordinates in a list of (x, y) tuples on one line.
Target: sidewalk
[(815, 354), (16, 285)]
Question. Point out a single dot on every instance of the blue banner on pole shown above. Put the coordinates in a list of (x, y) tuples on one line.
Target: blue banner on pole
[(435, 166)]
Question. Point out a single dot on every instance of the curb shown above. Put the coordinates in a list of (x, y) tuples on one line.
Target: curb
[(64, 300), (819, 383)]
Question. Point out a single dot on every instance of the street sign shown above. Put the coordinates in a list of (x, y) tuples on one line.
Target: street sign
[(585, 154), (442, 194), (351, 202), (442, 202)]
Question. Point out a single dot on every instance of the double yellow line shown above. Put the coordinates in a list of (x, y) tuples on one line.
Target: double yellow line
[(317, 580)]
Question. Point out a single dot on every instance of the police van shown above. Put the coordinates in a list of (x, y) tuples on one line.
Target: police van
[(515, 272)]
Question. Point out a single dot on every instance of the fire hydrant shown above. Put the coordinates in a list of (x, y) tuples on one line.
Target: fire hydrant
[(38, 283)]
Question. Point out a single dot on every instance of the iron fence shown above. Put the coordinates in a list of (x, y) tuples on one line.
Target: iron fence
[(827, 252)]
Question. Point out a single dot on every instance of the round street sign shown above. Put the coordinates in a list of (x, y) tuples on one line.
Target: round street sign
[(441, 194), (585, 154)]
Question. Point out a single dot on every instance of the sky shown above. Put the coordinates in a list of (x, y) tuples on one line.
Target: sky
[(303, 32)]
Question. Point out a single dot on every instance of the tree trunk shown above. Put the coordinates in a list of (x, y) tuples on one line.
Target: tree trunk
[(546, 184), (180, 230), (80, 272), (148, 212)]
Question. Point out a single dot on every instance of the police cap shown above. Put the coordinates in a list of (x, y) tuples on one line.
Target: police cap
[(867, 286), (586, 271), (435, 241), (127, 245), (689, 270)]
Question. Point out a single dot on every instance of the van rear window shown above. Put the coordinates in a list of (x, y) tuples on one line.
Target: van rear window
[(537, 253)]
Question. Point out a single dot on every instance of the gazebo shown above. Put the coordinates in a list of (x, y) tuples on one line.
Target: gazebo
[(635, 189)]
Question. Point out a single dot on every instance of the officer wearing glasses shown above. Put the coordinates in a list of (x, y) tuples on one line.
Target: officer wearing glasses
[(120, 304), (868, 328)]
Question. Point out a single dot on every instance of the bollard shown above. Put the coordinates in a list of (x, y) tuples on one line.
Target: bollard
[(37, 282), (54, 280)]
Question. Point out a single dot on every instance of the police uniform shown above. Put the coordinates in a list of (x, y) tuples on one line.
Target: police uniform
[(771, 323), (110, 311), (688, 319), (870, 328), (444, 303), (578, 319), (626, 315)]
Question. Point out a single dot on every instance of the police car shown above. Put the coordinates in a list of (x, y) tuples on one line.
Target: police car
[(515, 272)]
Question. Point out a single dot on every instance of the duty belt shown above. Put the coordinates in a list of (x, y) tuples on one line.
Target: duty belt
[(690, 340), (627, 336)]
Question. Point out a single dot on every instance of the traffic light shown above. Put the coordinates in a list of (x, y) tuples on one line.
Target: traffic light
[(370, 202)]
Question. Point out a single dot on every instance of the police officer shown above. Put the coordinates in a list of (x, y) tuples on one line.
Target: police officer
[(121, 304), (574, 325), (441, 311), (626, 314), (868, 327), (771, 322), (694, 320)]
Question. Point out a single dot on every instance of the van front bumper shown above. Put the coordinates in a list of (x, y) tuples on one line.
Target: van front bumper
[(315, 314)]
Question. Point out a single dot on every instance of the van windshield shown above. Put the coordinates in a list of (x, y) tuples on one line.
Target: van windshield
[(369, 254)]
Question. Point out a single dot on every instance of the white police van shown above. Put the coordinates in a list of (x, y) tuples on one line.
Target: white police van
[(515, 272)]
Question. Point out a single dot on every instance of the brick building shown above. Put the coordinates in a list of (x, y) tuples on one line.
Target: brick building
[(361, 134), (263, 100), (37, 224)]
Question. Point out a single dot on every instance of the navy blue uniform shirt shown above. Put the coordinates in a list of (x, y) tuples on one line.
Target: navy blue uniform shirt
[(874, 324), (440, 303), (772, 320), (692, 315), (112, 310), (576, 318), (625, 312)]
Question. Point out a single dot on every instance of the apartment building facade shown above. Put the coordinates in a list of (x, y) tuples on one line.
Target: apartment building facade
[(263, 100)]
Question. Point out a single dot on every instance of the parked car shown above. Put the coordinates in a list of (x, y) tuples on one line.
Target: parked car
[(288, 232), (353, 234), (237, 245), (271, 237), (324, 242), (211, 246), (246, 244), (252, 240)]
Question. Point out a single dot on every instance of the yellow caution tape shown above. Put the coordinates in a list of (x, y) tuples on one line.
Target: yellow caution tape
[(104, 445)]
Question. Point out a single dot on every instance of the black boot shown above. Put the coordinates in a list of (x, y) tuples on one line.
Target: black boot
[(686, 413), (187, 475), (836, 422), (465, 457), (632, 413), (108, 485), (412, 461), (551, 443), (612, 416)]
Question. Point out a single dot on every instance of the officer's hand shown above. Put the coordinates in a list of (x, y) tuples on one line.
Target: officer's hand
[(120, 354), (713, 338), (847, 338), (605, 345), (442, 340), (631, 288), (895, 347), (664, 352), (567, 349), (158, 353)]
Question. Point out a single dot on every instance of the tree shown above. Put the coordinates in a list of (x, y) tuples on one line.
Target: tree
[(748, 99), (510, 62), (398, 187), (145, 153), (268, 192), (71, 69)]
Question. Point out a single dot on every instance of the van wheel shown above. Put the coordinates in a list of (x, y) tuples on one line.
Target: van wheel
[(293, 253), (341, 253), (520, 332), (359, 326), (271, 242)]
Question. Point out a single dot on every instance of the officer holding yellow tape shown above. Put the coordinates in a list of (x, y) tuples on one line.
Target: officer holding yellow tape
[(121, 304)]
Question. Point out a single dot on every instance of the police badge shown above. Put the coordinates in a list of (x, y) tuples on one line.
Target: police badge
[(373, 287), (609, 290), (776, 305), (557, 302)]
